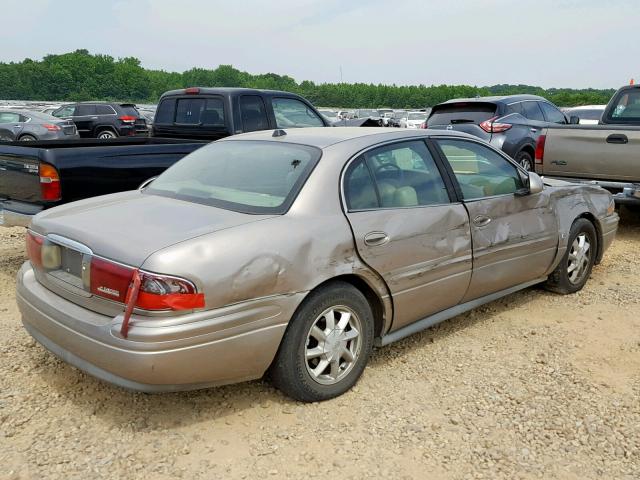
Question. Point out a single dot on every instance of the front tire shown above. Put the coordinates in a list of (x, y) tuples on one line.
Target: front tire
[(326, 346), (574, 269), (525, 160)]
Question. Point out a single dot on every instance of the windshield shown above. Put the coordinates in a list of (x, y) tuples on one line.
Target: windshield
[(243, 176), (368, 113), (417, 116)]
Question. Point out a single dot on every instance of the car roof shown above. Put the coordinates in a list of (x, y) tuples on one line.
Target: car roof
[(497, 99), (323, 137), (228, 91), (31, 114)]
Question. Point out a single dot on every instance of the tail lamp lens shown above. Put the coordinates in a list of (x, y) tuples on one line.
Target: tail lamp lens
[(540, 143), (51, 127), (128, 118), (49, 182), (157, 292), (491, 126), (34, 248)]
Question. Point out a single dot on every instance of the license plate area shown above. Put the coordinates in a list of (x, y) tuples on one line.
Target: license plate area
[(68, 266)]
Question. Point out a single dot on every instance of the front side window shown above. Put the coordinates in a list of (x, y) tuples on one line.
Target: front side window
[(480, 171), (552, 113), (395, 176), (532, 111), (253, 113), (292, 113), (85, 110), (243, 176), (64, 112)]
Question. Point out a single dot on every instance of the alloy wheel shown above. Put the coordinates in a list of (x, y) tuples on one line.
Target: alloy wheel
[(333, 345), (579, 258)]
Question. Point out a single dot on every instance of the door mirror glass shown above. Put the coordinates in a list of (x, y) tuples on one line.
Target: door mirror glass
[(536, 185)]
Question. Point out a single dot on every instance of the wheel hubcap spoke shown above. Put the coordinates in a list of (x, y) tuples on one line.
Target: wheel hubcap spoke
[(579, 258)]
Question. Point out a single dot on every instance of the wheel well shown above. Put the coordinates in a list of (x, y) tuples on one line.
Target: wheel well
[(102, 128), (372, 297), (529, 149), (589, 216)]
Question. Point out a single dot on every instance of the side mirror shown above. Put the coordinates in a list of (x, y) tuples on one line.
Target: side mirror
[(146, 183), (536, 185), (573, 120)]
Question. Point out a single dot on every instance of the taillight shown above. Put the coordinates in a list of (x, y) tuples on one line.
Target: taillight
[(192, 91), (491, 126), (51, 127), (34, 248), (128, 118), (49, 182), (540, 143), (156, 292), (423, 124)]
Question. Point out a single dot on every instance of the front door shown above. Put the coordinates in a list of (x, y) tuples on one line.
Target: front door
[(515, 236), (408, 230)]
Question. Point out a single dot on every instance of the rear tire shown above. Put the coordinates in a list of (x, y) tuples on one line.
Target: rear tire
[(105, 134), (326, 346), (525, 160), (574, 269), (27, 138)]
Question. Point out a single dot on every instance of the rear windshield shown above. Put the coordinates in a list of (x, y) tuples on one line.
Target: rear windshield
[(191, 111), (130, 110), (626, 107), (243, 176), (466, 112)]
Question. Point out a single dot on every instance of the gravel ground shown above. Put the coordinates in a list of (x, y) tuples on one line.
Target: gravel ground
[(532, 386)]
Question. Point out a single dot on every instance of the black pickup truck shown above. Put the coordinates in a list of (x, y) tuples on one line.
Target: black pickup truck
[(41, 175)]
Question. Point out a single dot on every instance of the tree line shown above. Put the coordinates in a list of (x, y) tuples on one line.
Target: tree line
[(80, 75)]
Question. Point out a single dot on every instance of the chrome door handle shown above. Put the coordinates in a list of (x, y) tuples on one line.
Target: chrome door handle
[(376, 238), (481, 221)]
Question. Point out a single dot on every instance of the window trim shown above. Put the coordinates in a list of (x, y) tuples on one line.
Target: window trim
[(453, 197), (452, 174)]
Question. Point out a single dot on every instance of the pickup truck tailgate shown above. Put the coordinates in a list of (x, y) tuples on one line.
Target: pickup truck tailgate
[(19, 177), (596, 152)]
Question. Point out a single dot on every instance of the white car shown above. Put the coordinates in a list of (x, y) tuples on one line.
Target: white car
[(588, 114), (415, 119)]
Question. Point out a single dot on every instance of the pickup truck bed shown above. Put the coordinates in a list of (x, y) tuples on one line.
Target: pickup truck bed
[(605, 155), (85, 168)]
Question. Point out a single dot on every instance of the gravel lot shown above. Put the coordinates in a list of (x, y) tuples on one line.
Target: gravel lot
[(532, 386)]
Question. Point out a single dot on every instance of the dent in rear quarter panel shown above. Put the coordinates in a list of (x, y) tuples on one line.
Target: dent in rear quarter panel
[(573, 201)]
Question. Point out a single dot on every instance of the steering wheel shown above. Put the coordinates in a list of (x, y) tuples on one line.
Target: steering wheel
[(384, 166)]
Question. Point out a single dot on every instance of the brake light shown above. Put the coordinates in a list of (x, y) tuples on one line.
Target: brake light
[(192, 91), (51, 127), (128, 118), (540, 143), (423, 124), (34, 248), (156, 292), (491, 126), (49, 182)]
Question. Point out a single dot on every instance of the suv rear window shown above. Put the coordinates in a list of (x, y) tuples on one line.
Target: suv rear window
[(243, 176), (463, 112)]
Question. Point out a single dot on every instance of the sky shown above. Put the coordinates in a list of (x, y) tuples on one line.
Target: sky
[(549, 43)]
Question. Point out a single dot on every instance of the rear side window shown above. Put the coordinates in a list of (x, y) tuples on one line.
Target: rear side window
[(253, 112), (359, 188), (514, 108), (532, 111), (465, 112), (292, 113), (105, 110), (85, 110), (626, 107), (200, 111), (166, 110), (552, 113)]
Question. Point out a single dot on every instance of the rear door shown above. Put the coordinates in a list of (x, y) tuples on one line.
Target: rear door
[(10, 126), (463, 117), (407, 229), (515, 237), (85, 117)]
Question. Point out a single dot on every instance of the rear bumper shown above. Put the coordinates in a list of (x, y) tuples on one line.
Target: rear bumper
[(195, 350), (17, 214)]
